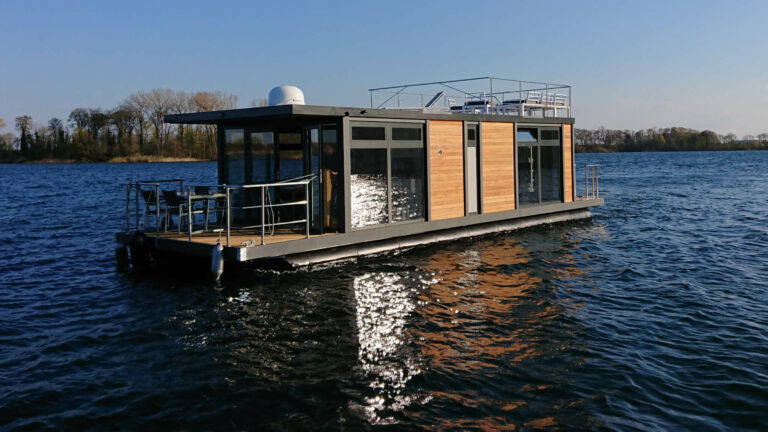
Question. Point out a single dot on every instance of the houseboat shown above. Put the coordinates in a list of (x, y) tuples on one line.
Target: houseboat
[(304, 184)]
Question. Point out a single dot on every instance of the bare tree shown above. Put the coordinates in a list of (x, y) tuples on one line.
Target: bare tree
[(23, 125), (56, 129), (211, 101), (160, 102), (138, 103)]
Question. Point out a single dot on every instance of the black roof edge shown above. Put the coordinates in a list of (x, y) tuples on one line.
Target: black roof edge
[(213, 117)]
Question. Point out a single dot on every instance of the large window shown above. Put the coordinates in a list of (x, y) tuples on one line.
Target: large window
[(387, 173), (368, 180), (262, 157), (539, 166), (235, 151), (550, 173), (407, 184)]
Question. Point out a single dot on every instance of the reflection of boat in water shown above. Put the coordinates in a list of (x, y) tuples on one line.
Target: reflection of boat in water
[(305, 184), (476, 335), (477, 313)]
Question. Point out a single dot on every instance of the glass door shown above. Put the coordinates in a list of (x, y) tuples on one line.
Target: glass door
[(528, 174), (312, 166), (331, 179), (539, 166)]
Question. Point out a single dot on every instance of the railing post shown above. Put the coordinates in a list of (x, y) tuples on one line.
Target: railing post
[(157, 210), (138, 186), (263, 203), (586, 182), (597, 183), (229, 215), (306, 205), (127, 207), (189, 212)]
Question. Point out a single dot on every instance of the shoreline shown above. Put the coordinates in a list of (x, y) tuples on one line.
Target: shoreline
[(117, 159)]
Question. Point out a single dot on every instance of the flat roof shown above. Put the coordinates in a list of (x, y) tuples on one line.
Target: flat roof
[(288, 111)]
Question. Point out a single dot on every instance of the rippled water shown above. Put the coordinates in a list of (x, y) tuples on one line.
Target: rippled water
[(650, 316)]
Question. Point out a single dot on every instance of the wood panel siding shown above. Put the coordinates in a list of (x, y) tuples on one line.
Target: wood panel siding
[(446, 169), (567, 164), (497, 147)]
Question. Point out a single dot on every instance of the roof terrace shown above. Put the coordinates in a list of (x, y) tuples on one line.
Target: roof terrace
[(483, 95)]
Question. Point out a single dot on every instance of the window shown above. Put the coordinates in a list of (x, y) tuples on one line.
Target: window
[(407, 167), (368, 184), (234, 144), (528, 174), (387, 173), (539, 166), (471, 134), (550, 173), (290, 155), (262, 157), (368, 133), (550, 135), (406, 134), (527, 134), (234, 147)]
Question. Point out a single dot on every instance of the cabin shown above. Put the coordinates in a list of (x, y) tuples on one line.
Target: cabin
[(304, 184)]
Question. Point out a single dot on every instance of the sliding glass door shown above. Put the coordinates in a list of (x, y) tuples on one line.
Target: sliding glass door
[(539, 166)]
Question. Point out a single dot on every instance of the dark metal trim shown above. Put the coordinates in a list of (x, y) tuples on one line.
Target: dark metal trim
[(573, 163), (515, 159), (427, 178), (465, 167), (220, 153), (345, 135), (389, 185), (388, 231), (385, 144), (479, 140), (332, 111)]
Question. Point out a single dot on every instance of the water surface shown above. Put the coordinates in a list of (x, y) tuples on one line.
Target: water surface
[(652, 315)]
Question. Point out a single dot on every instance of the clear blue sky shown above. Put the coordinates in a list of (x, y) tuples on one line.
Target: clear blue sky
[(698, 64)]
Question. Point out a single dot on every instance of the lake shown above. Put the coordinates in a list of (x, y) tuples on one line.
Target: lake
[(651, 315)]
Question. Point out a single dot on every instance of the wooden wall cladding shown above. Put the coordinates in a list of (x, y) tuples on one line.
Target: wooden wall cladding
[(497, 146), (446, 169), (567, 163)]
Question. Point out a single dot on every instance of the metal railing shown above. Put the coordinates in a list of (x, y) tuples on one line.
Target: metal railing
[(152, 198), (224, 204), (591, 184), (266, 207), (486, 95)]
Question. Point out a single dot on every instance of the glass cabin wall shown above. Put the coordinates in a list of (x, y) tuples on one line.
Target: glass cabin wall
[(387, 173), (331, 178), (539, 165), (269, 154)]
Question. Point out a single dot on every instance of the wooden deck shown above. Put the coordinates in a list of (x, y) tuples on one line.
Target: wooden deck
[(239, 238)]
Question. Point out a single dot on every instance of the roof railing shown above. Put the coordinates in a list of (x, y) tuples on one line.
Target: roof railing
[(482, 95)]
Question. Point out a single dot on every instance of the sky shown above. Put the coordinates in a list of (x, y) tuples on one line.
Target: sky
[(632, 65)]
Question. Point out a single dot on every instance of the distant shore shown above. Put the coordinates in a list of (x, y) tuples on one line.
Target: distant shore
[(118, 159), (168, 159)]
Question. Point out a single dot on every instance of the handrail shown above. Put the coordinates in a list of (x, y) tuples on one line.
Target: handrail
[(224, 191), (591, 185), (264, 191)]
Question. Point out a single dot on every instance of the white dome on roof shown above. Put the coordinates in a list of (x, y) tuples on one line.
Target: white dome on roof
[(286, 95)]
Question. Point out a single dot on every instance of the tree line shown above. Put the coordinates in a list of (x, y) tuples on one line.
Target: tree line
[(662, 139), (134, 128)]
